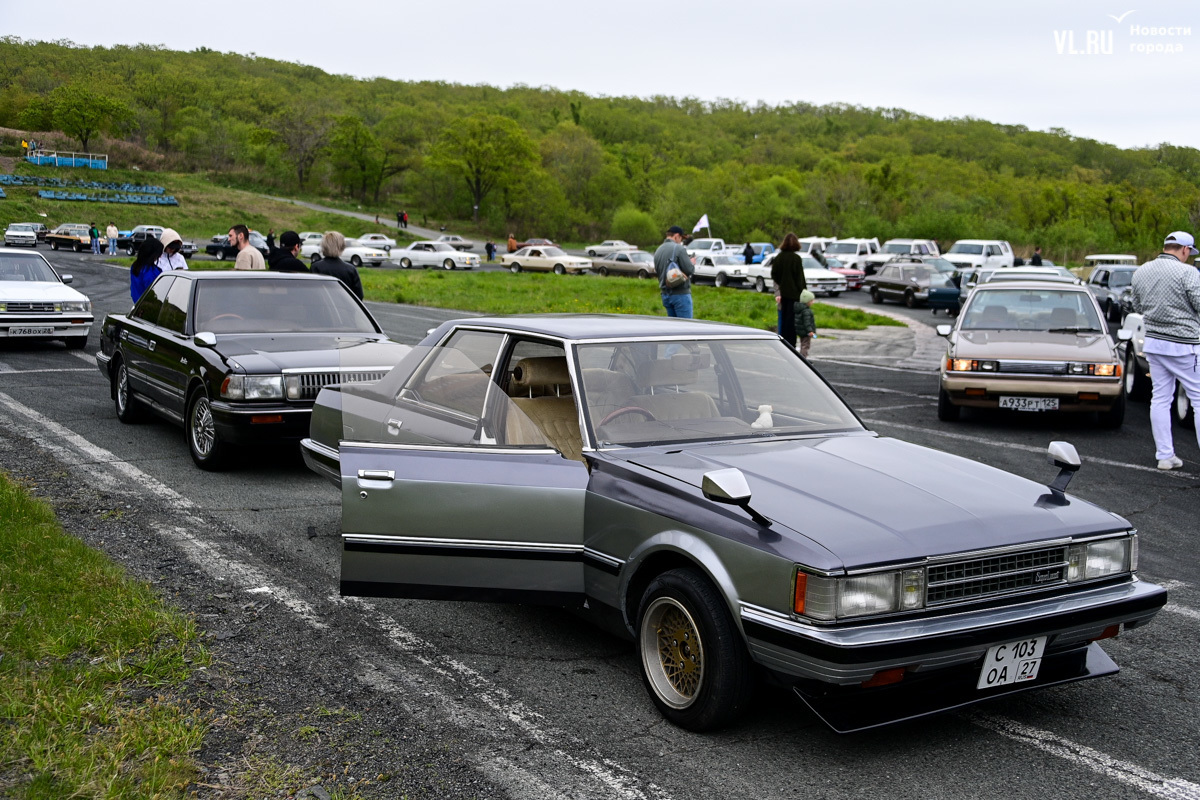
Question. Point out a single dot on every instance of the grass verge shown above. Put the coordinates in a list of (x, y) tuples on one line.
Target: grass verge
[(89, 662), (533, 293)]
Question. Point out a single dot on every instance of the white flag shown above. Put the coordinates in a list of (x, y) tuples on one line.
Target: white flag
[(703, 223)]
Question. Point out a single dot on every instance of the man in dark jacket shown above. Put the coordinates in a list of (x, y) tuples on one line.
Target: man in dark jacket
[(332, 245), (1036, 261), (284, 258), (749, 254)]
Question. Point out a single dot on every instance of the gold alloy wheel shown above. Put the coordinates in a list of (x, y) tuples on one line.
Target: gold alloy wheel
[(672, 652)]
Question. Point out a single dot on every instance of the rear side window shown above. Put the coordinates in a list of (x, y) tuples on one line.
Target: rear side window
[(173, 316), (149, 307)]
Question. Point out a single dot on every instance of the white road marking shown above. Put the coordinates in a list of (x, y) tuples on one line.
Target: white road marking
[(1083, 756), (11, 371), (1025, 447), (929, 371), (84, 356), (104, 468), (881, 389), (926, 404), (1182, 611)]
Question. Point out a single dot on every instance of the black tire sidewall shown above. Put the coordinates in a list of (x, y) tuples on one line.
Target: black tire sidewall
[(215, 458)]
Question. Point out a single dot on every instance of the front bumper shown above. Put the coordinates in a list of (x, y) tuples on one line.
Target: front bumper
[(20, 241), (59, 326), (245, 423), (1067, 390), (849, 655)]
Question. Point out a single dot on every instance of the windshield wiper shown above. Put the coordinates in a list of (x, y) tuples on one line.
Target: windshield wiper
[(1074, 330)]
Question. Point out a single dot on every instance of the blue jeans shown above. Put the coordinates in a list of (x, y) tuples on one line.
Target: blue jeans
[(678, 305), (112, 245), (96, 246)]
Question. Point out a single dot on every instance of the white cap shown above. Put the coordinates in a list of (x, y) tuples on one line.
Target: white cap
[(1182, 239)]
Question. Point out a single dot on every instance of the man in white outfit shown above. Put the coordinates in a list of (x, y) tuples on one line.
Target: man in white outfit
[(171, 257), (1167, 292)]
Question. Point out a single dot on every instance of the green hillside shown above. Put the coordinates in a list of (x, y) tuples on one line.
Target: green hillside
[(563, 164)]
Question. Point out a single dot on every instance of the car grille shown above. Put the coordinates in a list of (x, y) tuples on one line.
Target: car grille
[(1034, 367), (30, 308), (311, 383), (991, 576), (963, 264)]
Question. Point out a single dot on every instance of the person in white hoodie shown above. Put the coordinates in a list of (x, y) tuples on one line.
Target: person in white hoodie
[(171, 258)]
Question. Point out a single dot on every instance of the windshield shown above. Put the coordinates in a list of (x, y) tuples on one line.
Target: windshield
[(21, 267), (967, 249), (898, 249), (646, 257), (726, 260), (552, 252), (442, 247), (1031, 309), (842, 247), (656, 392), (278, 306), (18, 226), (1120, 278)]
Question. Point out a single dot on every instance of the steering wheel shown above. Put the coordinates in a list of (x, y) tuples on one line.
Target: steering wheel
[(226, 316), (628, 410)]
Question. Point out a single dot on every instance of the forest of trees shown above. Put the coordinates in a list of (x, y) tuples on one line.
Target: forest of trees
[(567, 165)]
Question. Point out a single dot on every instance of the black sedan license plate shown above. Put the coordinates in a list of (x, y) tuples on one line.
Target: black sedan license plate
[(1030, 403), (1015, 662)]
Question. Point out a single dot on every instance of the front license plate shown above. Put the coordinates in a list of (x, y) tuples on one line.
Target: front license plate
[(1030, 403), (30, 331), (1015, 662)]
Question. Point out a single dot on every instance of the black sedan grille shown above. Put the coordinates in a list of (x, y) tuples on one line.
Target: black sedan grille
[(980, 578), (30, 308), (311, 383)]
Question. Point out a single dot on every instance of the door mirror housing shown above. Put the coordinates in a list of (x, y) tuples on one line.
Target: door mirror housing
[(68, 278), (729, 486), (205, 339), (1124, 335), (944, 330)]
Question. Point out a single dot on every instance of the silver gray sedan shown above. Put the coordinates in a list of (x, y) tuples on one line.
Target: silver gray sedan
[(632, 262), (701, 489)]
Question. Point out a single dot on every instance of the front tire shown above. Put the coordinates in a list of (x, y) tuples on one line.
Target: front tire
[(356, 261), (643, 274), (129, 409), (406, 263), (131, 250), (54, 246), (834, 294), (760, 284), (222, 255), (591, 253), (448, 263), (721, 280), (910, 299), (515, 268), (602, 272), (559, 269), (946, 410), (876, 297), (694, 662), (75, 342), (204, 442), (1137, 383)]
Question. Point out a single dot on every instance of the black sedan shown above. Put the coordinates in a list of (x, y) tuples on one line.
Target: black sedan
[(238, 358), (909, 280), (220, 247)]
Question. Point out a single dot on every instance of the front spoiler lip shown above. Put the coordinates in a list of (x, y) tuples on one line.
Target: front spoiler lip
[(851, 712)]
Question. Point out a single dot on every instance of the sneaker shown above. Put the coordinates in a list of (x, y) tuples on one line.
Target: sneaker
[(1174, 462)]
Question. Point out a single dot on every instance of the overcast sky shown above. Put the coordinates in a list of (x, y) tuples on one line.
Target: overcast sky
[(1007, 62)]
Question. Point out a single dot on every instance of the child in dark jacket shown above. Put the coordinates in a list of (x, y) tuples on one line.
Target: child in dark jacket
[(806, 325)]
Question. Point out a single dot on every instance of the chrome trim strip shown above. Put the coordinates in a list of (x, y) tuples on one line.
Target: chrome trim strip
[(320, 449), (473, 449), (605, 557), (970, 554), (334, 368), (224, 408), (494, 544)]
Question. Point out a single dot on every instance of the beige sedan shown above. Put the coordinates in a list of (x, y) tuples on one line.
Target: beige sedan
[(545, 259), (633, 262), (1031, 346)]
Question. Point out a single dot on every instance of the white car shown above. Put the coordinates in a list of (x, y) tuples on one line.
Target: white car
[(900, 247), (355, 253), (818, 279), (378, 241), (456, 241), (722, 269), (20, 234), (36, 303), (705, 247), (969, 254), (545, 259), (433, 254), (853, 253), (608, 247)]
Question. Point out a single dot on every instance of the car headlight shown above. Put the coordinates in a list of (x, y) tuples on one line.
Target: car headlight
[(828, 598), (252, 387), (971, 365), (77, 305), (1093, 560)]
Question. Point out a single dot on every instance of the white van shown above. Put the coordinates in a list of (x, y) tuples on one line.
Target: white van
[(971, 254), (707, 247), (853, 252), (900, 247)]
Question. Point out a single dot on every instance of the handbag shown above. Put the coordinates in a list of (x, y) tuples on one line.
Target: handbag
[(674, 275)]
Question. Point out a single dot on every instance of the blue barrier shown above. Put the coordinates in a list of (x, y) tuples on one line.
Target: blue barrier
[(53, 159), (131, 199), (59, 183), (2, 194)]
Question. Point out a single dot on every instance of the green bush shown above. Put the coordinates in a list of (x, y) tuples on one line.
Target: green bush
[(635, 226)]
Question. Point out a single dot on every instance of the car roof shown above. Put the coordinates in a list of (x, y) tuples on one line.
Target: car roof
[(978, 241), (609, 326), (241, 275), (22, 251), (1061, 284), (1122, 257)]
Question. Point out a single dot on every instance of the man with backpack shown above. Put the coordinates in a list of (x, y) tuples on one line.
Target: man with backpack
[(674, 268)]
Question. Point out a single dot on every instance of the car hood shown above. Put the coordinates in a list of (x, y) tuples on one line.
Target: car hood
[(1037, 345), (38, 291), (874, 501), (822, 275), (269, 353)]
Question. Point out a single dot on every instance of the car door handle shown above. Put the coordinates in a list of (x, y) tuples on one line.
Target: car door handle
[(376, 475), (152, 345), (393, 426)]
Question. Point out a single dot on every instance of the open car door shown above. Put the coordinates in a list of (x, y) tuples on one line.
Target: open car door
[(458, 490)]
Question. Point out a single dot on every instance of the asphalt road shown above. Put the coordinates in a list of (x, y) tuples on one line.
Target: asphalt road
[(545, 706)]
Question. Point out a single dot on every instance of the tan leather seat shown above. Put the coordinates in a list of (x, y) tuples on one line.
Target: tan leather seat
[(661, 382), (606, 390), (549, 415)]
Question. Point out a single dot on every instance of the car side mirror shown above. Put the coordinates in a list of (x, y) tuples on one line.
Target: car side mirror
[(1124, 335), (68, 278), (729, 486), (944, 330), (205, 339), (1064, 456)]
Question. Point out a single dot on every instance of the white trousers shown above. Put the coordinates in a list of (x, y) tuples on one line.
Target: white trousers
[(1164, 372)]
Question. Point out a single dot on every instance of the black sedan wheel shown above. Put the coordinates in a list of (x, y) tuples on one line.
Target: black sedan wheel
[(693, 660), (515, 268), (54, 245), (221, 254), (448, 263), (406, 263), (356, 261), (876, 297), (910, 299), (1137, 382), (129, 410), (131, 251), (207, 449)]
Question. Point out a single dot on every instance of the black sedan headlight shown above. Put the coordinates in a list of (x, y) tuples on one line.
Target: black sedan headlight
[(252, 387)]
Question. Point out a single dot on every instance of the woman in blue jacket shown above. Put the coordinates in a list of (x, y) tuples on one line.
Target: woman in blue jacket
[(144, 271)]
